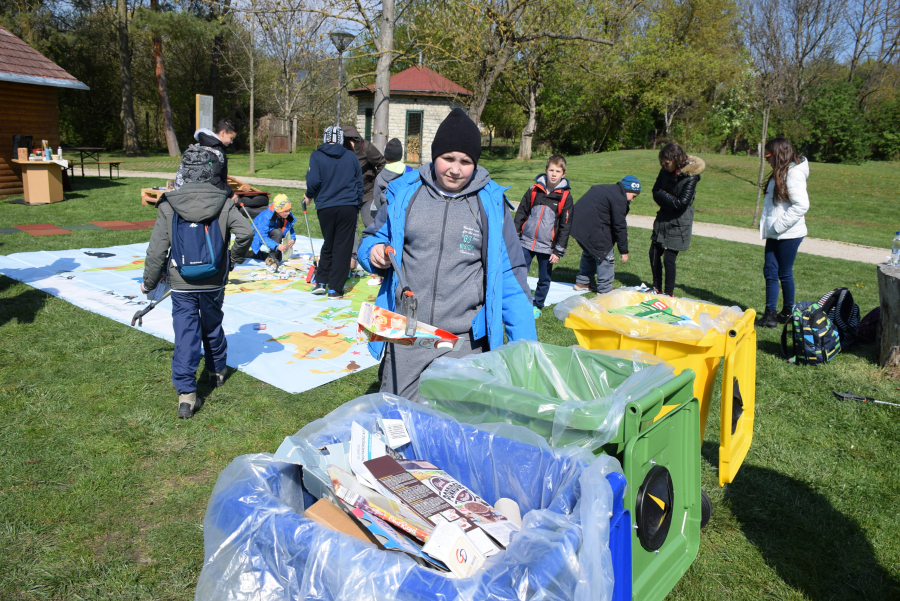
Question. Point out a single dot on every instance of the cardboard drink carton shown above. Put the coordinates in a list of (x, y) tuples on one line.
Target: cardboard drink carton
[(380, 325), (474, 508)]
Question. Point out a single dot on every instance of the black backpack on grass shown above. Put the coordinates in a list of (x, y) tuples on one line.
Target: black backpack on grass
[(843, 313), (809, 337)]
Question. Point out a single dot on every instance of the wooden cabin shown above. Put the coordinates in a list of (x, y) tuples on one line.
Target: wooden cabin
[(29, 103)]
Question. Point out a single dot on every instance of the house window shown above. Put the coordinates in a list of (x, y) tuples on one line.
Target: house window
[(368, 134)]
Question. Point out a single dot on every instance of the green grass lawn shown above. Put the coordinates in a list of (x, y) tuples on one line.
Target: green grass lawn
[(850, 203), (103, 490)]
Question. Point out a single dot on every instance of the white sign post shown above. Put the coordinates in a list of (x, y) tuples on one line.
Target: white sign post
[(204, 112)]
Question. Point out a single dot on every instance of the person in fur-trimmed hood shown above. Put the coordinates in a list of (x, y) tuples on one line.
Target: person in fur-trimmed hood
[(543, 221), (674, 192)]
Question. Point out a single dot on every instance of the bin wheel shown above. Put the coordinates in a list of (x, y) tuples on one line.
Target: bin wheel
[(705, 509)]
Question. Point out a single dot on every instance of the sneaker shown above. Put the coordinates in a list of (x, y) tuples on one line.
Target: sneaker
[(581, 287), (319, 289), (188, 405), (768, 320), (217, 379), (536, 311), (335, 295)]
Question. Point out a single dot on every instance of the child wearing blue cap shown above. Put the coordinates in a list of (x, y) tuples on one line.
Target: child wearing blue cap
[(598, 225)]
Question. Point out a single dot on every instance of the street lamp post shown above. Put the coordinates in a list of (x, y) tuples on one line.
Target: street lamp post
[(341, 40)]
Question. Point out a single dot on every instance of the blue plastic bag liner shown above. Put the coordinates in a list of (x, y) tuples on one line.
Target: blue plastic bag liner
[(570, 396), (260, 546)]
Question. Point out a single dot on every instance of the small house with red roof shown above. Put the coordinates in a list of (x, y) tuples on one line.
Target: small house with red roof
[(29, 105), (420, 100)]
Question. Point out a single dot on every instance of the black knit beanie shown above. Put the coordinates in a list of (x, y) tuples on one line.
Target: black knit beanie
[(457, 133), (393, 152)]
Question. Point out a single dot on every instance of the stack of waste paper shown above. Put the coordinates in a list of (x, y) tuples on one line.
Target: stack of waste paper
[(409, 506)]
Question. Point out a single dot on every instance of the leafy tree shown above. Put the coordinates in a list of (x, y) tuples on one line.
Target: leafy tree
[(837, 131)]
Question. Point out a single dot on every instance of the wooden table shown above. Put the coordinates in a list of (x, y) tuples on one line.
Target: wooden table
[(92, 152), (42, 181)]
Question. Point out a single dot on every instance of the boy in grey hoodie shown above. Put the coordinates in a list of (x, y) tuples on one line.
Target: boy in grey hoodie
[(458, 251), (196, 304)]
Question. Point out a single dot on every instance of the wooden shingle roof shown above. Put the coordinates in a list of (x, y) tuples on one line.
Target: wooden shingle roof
[(20, 63)]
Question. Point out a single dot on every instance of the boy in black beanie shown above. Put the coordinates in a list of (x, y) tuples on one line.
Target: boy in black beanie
[(459, 252)]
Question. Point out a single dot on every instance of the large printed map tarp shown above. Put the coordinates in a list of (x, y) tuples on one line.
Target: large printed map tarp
[(308, 340)]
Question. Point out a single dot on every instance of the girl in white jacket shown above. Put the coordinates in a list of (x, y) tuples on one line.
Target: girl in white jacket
[(782, 226)]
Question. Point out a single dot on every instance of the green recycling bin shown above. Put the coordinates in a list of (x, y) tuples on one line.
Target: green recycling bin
[(604, 401)]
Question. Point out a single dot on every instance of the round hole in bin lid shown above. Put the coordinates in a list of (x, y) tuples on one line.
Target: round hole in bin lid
[(653, 509)]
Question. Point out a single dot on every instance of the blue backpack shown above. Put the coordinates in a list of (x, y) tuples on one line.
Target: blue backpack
[(197, 248)]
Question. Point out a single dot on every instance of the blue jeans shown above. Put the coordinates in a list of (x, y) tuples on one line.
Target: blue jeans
[(545, 270), (197, 320), (779, 267), (605, 269)]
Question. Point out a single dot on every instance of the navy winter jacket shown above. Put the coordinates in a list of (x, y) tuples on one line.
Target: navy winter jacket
[(334, 178)]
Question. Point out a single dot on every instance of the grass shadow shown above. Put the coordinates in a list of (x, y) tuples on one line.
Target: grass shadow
[(812, 546), (83, 186), (709, 296)]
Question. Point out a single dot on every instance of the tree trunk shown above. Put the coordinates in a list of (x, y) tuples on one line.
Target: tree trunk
[(762, 165), (482, 88), (130, 143), (252, 169), (171, 139), (381, 111), (530, 125)]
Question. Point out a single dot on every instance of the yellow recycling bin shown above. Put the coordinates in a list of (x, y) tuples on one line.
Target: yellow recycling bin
[(718, 334)]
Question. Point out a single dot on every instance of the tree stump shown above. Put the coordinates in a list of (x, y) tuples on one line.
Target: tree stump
[(889, 327)]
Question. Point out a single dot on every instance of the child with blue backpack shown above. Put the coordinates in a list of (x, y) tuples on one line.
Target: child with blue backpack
[(276, 223), (189, 244)]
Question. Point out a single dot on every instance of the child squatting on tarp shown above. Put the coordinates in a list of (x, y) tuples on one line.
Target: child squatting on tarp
[(459, 252), (189, 243), (276, 223)]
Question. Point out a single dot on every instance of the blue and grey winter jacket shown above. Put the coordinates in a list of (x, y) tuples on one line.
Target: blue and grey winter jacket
[(505, 303), (267, 221)]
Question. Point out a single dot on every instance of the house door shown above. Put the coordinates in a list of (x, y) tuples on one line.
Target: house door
[(414, 136)]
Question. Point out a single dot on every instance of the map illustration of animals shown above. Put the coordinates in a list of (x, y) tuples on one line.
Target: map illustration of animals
[(277, 330)]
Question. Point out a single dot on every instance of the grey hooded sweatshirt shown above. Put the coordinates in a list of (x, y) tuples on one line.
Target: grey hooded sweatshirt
[(195, 202), (443, 264)]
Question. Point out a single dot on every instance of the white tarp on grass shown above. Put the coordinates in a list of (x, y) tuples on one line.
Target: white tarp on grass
[(307, 341)]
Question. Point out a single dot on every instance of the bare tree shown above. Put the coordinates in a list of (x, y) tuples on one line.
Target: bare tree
[(130, 143), (171, 139)]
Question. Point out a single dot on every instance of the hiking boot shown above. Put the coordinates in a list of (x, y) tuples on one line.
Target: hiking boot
[(784, 314), (319, 289), (581, 287), (768, 320), (217, 379), (188, 405), (537, 312), (335, 295)]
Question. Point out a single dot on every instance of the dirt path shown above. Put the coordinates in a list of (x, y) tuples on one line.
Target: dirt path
[(256, 181), (811, 246)]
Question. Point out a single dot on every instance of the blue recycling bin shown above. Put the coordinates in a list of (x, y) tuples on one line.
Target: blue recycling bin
[(260, 546)]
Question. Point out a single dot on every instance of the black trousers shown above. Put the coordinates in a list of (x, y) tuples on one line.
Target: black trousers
[(338, 229), (275, 235), (659, 257)]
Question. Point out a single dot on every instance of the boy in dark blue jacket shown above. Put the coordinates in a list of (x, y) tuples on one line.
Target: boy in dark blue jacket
[(334, 182), (543, 220), (277, 225)]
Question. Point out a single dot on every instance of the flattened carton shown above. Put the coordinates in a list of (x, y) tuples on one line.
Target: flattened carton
[(380, 325)]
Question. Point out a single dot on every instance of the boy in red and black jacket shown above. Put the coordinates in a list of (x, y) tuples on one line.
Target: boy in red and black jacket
[(543, 221)]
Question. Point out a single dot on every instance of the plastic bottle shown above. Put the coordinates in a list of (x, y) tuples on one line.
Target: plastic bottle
[(895, 250), (59, 153)]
